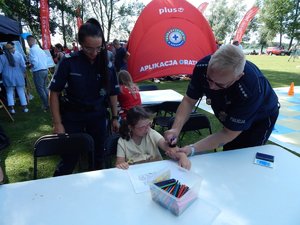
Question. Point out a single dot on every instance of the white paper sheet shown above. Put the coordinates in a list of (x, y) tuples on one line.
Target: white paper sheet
[(141, 176)]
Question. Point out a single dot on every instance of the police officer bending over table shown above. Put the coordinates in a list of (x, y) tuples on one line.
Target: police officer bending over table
[(240, 96), (86, 81)]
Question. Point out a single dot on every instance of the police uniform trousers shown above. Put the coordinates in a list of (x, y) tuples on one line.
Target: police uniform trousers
[(256, 135), (93, 123)]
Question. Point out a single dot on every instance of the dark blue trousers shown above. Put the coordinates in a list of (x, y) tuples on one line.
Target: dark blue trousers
[(256, 135), (92, 123)]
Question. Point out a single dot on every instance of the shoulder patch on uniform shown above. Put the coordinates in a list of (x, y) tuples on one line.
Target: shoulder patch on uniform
[(243, 92), (202, 65)]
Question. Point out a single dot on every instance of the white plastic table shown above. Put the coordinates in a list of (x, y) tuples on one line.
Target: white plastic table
[(159, 96), (234, 191)]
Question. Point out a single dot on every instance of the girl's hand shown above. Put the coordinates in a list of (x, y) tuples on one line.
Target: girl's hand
[(172, 152), (123, 165), (184, 161)]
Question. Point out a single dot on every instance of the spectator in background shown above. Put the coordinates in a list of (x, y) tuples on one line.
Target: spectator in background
[(74, 47), (121, 56), (39, 67), (111, 59), (13, 68), (59, 53), (66, 50), (293, 52), (129, 93), (2, 89)]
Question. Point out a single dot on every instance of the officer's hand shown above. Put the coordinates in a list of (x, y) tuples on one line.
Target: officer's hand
[(171, 137), (115, 126), (58, 128)]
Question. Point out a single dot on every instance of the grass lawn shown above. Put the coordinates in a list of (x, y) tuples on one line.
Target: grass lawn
[(17, 159)]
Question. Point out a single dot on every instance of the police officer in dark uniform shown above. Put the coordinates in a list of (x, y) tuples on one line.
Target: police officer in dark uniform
[(88, 88), (240, 96)]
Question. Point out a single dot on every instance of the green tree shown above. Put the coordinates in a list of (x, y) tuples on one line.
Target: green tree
[(27, 12), (293, 27), (114, 16), (67, 16), (224, 19), (275, 18)]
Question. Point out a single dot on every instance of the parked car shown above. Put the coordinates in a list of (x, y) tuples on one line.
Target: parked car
[(277, 51)]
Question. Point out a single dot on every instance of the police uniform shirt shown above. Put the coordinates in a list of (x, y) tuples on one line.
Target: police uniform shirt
[(249, 99), (82, 80)]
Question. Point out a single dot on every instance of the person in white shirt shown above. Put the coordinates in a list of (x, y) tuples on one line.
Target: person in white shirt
[(39, 67)]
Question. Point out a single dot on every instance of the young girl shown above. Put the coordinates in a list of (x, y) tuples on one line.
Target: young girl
[(129, 93), (139, 143)]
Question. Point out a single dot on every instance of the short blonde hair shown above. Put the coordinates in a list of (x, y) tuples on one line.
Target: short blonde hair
[(228, 57)]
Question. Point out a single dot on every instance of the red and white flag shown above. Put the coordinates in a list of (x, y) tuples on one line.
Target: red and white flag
[(78, 17), (244, 23), (202, 7), (44, 17)]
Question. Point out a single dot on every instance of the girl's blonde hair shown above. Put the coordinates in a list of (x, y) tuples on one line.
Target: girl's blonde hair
[(125, 79)]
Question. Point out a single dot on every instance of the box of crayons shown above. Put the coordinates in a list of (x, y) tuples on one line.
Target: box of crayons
[(176, 193)]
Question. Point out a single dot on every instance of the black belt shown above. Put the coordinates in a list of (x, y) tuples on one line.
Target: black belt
[(69, 106)]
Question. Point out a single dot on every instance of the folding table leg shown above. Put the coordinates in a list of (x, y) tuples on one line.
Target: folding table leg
[(7, 110)]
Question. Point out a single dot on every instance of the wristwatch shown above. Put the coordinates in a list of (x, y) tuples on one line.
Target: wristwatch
[(192, 150)]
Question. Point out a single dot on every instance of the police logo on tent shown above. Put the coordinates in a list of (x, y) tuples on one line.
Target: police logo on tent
[(175, 37)]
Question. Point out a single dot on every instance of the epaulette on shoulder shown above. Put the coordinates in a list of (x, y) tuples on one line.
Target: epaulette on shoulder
[(202, 64)]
